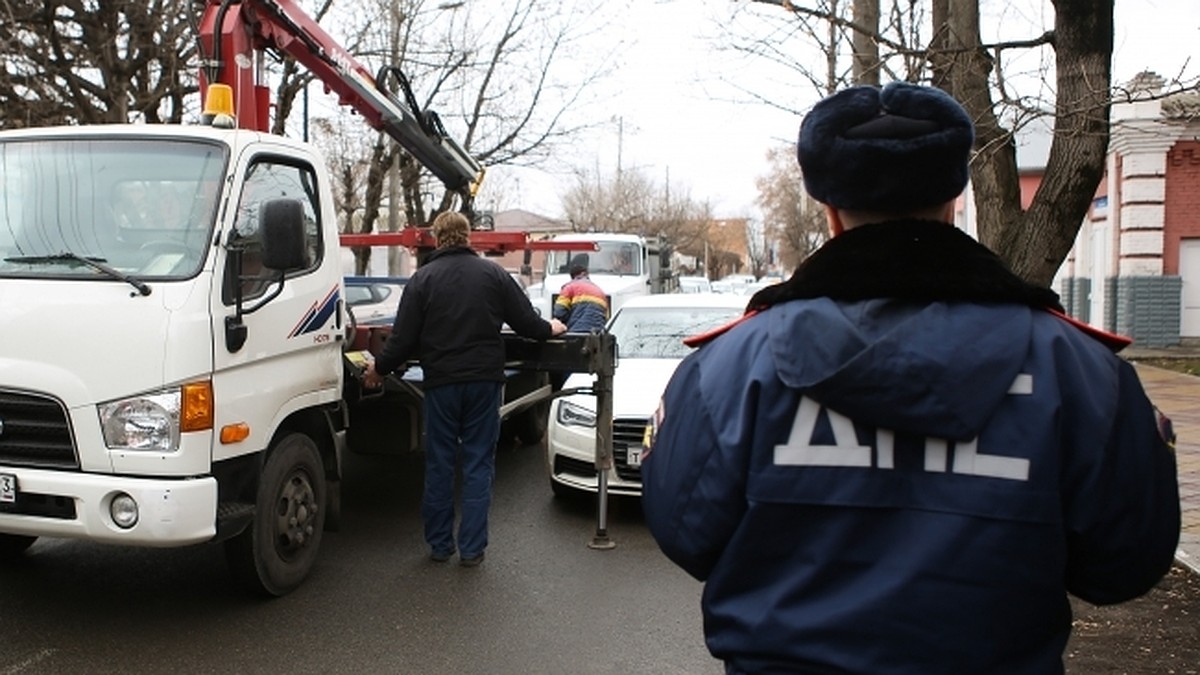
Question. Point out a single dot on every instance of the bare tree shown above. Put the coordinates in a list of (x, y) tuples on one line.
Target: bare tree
[(71, 61), (631, 202), (1034, 241), (494, 74), (789, 214)]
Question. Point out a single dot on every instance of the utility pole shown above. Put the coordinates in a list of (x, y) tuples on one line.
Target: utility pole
[(620, 143)]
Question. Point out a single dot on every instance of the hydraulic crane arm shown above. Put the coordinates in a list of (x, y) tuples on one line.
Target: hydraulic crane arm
[(234, 32)]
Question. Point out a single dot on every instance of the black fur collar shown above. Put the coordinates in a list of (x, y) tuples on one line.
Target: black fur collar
[(917, 260)]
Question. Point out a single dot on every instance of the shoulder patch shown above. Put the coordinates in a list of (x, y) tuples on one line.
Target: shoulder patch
[(1113, 341)]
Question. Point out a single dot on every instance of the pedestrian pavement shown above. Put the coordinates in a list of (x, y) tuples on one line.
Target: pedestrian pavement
[(1177, 395)]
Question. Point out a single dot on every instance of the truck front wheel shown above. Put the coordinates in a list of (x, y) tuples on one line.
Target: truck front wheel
[(277, 551)]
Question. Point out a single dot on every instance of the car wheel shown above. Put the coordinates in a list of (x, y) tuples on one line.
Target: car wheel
[(277, 551), (530, 426), (13, 545)]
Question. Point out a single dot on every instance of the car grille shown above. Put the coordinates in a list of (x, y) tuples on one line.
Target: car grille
[(628, 431), (34, 432)]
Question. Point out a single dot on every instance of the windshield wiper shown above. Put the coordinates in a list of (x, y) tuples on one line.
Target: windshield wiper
[(91, 261)]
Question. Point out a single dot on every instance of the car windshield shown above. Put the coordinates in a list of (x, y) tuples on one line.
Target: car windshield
[(143, 209), (614, 257), (658, 332)]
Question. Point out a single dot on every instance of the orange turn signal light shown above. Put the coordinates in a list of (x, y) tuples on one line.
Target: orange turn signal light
[(197, 407), (235, 433)]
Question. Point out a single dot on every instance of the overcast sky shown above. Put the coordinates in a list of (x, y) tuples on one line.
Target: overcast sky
[(672, 116)]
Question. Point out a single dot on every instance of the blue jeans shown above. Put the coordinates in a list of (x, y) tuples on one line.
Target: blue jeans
[(466, 416)]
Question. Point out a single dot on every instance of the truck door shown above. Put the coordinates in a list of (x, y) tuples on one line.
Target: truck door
[(291, 357)]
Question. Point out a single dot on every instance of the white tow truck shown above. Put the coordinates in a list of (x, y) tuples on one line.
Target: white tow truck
[(173, 359), (623, 266)]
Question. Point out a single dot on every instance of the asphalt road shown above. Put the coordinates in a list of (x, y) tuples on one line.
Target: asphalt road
[(542, 602)]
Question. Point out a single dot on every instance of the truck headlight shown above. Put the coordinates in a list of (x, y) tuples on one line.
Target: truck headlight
[(571, 414), (147, 423)]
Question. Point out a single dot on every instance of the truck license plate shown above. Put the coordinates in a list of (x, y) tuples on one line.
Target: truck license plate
[(8, 487)]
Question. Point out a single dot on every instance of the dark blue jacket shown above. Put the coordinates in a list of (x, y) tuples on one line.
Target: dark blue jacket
[(451, 316), (885, 486)]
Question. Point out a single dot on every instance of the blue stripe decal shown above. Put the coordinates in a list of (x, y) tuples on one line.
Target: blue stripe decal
[(318, 314)]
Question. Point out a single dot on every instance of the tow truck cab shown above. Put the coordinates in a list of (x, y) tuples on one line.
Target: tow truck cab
[(152, 356)]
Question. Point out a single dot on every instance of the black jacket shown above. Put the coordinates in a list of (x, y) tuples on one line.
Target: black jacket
[(450, 318)]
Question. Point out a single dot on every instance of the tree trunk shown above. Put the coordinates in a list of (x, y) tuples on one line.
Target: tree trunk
[(963, 68), (865, 67), (1084, 41)]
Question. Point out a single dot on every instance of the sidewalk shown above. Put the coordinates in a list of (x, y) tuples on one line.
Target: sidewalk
[(1177, 395)]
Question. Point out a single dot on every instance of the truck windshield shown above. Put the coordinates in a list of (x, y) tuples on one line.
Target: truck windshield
[(614, 257), (144, 209)]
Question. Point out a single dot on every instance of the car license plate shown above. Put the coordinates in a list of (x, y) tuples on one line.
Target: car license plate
[(8, 487), (633, 454)]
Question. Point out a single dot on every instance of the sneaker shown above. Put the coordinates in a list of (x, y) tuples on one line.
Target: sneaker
[(440, 557), (471, 562)]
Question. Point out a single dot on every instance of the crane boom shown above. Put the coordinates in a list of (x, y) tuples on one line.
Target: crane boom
[(233, 34)]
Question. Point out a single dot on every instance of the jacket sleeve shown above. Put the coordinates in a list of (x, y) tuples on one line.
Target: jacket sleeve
[(404, 341), (692, 489), (518, 311), (1124, 529), (562, 305)]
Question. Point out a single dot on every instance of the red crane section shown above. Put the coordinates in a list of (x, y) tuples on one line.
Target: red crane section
[(233, 33)]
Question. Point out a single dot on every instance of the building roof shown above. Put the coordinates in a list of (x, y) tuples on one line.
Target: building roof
[(519, 220)]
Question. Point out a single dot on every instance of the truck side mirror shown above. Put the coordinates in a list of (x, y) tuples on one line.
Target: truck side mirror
[(284, 248), (284, 242)]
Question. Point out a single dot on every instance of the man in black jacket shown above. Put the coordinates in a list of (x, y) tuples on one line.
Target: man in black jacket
[(450, 318)]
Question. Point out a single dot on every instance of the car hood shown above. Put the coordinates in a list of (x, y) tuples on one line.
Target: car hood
[(638, 385)]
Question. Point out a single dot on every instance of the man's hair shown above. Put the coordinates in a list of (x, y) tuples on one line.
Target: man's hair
[(451, 228), (579, 265), (892, 150)]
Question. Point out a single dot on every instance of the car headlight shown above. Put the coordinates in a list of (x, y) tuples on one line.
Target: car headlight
[(571, 414), (147, 423)]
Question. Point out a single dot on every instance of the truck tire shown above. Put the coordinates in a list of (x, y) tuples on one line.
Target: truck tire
[(530, 426), (13, 545), (277, 551)]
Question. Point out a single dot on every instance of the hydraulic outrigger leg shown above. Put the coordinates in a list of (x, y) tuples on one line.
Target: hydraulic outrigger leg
[(601, 347), (595, 353)]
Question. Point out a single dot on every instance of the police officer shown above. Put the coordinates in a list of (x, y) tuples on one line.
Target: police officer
[(904, 458)]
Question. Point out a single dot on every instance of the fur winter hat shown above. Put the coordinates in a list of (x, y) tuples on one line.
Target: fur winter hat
[(889, 150)]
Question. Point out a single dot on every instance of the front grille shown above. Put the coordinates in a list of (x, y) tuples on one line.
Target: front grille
[(628, 431), (34, 432)]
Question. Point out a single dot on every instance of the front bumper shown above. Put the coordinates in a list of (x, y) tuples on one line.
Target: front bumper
[(571, 456), (172, 512)]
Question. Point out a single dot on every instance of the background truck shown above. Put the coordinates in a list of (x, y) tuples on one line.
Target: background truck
[(174, 361), (622, 265)]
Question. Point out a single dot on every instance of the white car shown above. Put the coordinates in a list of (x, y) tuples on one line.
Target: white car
[(692, 284), (649, 331), (374, 300)]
